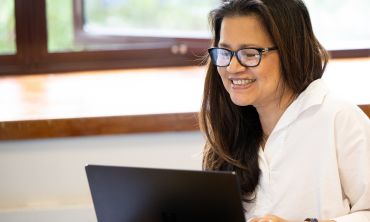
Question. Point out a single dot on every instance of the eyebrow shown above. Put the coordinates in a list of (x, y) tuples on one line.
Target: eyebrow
[(225, 45)]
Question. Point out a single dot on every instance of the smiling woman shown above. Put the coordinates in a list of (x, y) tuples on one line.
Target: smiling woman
[(270, 118), (260, 82)]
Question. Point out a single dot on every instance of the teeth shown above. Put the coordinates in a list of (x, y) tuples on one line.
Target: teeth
[(242, 81)]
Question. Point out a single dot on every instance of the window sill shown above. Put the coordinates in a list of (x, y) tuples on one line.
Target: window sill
[(101, 102), (129, 101)]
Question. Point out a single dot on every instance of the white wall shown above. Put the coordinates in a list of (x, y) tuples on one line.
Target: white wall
[(44, 180)]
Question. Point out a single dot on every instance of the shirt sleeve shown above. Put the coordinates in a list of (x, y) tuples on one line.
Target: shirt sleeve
[(352, 136)]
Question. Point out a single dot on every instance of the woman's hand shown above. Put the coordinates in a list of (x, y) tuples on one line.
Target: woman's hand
[(273, 218), (268, 218)]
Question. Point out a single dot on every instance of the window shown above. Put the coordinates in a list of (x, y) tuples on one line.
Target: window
[(122, 23), (174, 24), (128, 24), (177, 26), (7, 28), (161, 18), (69, 35), (341, 24), (60, 26)]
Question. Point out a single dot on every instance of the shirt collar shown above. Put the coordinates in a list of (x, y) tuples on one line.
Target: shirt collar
[(313, 95)]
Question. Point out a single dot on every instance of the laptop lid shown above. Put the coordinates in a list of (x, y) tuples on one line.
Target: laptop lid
[(130, 194)]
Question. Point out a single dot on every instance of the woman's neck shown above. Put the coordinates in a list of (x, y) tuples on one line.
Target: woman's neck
[(270, 114)]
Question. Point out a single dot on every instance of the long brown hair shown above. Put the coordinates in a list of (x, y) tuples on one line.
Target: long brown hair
[(234, 133)]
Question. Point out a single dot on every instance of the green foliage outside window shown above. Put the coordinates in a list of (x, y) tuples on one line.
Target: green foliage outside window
[(337, 23), (174, 15), (60, 25), (7, 27), (125, 17)]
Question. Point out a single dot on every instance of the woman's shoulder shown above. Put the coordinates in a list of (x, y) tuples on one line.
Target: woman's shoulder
[(347, 119), (342, 108), (331, 103)]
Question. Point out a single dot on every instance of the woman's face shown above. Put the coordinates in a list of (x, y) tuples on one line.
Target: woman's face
[(259, 86)]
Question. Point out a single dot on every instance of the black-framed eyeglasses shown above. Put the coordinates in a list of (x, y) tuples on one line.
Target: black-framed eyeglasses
[(248, 57)]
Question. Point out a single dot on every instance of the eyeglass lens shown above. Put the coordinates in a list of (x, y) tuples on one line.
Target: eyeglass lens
[(247, 57)]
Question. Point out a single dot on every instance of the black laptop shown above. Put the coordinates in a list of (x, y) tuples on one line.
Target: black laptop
[(129, 194)]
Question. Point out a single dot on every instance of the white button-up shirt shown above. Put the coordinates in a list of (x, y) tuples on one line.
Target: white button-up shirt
[(316, 162)]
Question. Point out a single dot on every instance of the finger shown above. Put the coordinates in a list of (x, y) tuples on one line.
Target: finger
[(272, 217), (254, 219), (266, 220), (261, 219)]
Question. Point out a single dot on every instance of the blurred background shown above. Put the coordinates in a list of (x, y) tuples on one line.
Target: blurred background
[(45, 44), (176, 29)]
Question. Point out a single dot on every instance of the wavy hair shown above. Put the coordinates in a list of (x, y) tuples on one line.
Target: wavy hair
[(234, 133)]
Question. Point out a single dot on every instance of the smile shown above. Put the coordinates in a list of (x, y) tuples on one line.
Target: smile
[(242, 82)]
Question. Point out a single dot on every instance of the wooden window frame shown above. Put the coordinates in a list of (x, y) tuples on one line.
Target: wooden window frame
[(32, 54)]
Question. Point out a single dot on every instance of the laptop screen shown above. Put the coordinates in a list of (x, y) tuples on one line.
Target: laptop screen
[(130, 194)]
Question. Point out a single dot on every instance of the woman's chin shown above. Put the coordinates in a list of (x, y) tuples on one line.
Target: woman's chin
[(241, 101)]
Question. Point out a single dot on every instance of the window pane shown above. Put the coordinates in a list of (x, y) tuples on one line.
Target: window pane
[(7, 27), (154, 18), (186, 18), (341, 24), (60, 25)]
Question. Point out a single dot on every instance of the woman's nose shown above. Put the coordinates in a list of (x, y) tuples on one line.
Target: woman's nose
[(235, 66)]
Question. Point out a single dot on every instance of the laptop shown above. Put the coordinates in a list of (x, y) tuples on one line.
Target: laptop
[(132, 194)]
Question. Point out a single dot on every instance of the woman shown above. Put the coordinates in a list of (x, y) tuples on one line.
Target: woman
[(299, 153)]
